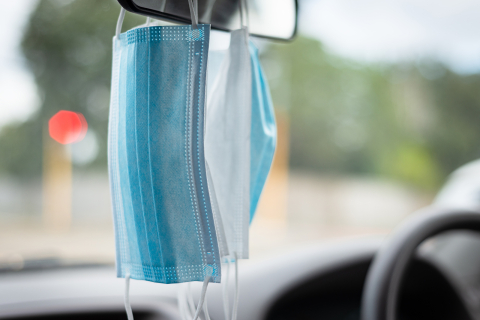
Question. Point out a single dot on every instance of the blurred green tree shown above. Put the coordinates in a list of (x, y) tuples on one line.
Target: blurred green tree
[(67, 45), (411, 122), (415, 122)]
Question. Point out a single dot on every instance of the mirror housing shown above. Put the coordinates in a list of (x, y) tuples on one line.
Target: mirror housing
[(272, 19)]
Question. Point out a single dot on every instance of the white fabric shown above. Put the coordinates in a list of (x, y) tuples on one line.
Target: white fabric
[(227, 141), (236, 296), (221, 236), (226, 302)]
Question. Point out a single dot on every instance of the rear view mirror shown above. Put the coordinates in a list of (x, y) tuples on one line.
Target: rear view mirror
[(275, 19)]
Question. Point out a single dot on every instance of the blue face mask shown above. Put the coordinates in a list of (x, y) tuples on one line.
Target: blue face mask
[(164, 227), (263, 133)]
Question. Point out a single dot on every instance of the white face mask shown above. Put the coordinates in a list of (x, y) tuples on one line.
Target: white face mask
[(227, 142)]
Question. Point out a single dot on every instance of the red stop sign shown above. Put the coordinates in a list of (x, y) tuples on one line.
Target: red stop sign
[(67, 127)]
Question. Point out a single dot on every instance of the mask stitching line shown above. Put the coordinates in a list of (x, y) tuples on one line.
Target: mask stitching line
[(192, 97), (148, 35), (198, 156), (185, 273), (190, 160)]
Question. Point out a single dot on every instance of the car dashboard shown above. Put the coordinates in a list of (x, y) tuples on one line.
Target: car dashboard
[(316, 282)]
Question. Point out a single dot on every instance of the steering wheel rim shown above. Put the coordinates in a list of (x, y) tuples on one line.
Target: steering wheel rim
[(380, 293)]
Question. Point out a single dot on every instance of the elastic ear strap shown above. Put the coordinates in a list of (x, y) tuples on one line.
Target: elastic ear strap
[(128, 307), (235, 299), (181, 300), (205, 310), (243, 13), (204, 293), (193, 13), (226, 302), (190, 302), (120, 22)]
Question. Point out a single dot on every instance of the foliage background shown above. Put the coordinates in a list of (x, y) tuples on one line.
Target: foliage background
[(414, 122)]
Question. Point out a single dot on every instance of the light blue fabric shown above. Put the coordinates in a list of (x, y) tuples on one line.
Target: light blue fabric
[(264, 131), (164, 227)]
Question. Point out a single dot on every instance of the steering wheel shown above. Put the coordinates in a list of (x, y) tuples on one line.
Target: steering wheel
[(381, 290)]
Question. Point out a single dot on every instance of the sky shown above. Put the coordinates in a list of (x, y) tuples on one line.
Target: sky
[(368, 31), (398, 30), (18, 94)]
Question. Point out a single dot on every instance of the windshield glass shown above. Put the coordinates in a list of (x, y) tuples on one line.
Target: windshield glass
[(376, 104)]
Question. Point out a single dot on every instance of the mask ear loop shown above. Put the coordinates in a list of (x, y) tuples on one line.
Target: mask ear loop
[(187, 308), (205, 310), (236, 296), (226, 300), (243, 8), (193, 13), (204, 292), (147, 24), (244, 21), (128, 307), (190, 301), (120, 22)]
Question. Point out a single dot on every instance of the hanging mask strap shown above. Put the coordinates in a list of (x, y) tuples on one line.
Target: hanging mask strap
[(186, 304), (204, 292), (190, 301), (193, 12), (243, 8), (128, 307), (226, 300), (235, 297), (205, 310), (120, 22)]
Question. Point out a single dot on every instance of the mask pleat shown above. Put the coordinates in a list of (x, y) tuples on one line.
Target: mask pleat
[(134, 264), (142, 104), (199, 58), (132, 167), (147, 177), (113, 162)]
